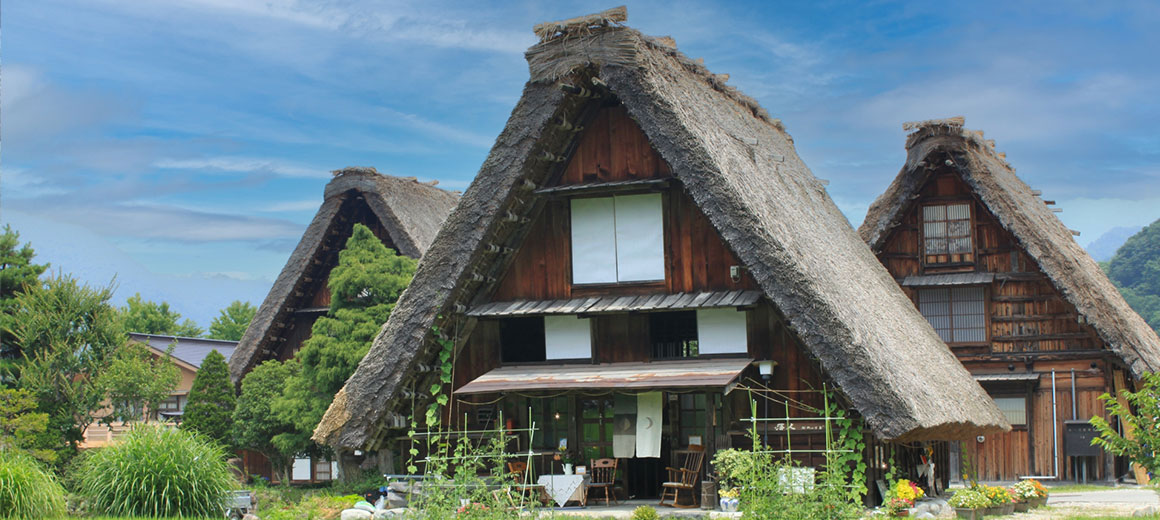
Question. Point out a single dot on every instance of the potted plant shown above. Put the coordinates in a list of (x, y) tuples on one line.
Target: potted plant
[(969, 503), (567, 458), (1025, 494), (1000, 501), (730, 499), (1041, 491), (901, 497)]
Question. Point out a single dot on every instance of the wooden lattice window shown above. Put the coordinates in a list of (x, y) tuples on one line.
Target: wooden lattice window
[(946, 232), (958, 314)]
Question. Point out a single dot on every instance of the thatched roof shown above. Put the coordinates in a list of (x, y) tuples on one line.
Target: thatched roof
[(411, 212), (740, 168), (1019, 210)]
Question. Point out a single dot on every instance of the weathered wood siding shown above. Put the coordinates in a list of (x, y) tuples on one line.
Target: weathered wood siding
[(613, 149), (1027, 320)]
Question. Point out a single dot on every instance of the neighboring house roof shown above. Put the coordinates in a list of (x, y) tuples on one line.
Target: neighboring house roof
[(410, 211), (740, 167), (1019, 210), (188, 350)]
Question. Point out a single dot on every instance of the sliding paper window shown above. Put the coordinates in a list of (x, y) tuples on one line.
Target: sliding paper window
[(946, 231), (617, 239), (958, 314)]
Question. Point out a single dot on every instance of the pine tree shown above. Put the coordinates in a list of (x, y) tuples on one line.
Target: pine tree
[(16, 273), (364, 286), (210, 409)]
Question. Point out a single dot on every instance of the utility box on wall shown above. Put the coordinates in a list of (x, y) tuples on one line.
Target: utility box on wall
[(1077, 439)]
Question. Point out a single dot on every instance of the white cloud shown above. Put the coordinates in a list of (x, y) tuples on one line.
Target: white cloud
[(243, 165)]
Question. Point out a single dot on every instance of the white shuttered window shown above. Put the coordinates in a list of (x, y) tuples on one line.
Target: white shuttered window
[(958, 314), (618, 239)]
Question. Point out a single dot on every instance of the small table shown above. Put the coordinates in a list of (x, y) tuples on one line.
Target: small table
[(566, 488)]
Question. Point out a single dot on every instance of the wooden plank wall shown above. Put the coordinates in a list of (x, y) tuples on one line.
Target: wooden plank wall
[(614, 149), (1028, 319)]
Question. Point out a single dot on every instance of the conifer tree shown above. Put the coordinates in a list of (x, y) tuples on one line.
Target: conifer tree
[(210, 409), (16, 273), (364, 286)]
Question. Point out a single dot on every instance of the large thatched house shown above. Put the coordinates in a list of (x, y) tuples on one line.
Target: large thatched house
[(640, 236), (403, 212), (1007, 287)]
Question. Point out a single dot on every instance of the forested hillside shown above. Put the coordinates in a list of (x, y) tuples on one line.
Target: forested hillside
[(1135, 269)]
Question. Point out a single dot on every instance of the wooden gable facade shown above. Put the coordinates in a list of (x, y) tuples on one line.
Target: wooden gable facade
[(1006, 317), (614, 157)]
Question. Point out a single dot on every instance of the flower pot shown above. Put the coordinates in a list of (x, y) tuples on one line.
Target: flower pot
[(968, 513), (992, 510), (900, 514), (1022, 506), (1008, 508), (729, 505), (1039, 502)]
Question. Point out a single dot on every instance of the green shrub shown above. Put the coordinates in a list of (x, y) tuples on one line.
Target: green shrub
[(645, 513), (321, 506), (28, 489), (156, 471)]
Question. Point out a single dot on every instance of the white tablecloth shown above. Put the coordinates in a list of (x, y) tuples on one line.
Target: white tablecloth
[(564, 488)]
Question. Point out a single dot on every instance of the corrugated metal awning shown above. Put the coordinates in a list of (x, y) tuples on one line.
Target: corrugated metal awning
[(1022, 376), (693, 373), (935, 280), (607, 304)]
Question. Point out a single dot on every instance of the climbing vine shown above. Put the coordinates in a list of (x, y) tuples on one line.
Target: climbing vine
[(849, 442)]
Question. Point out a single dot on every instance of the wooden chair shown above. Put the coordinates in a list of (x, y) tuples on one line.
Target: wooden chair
[(603, 474), (518, 470), (684, 478)]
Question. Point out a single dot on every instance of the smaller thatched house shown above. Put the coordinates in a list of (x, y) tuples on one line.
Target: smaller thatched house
[(1007, 287), (403, 212), (640, 240)]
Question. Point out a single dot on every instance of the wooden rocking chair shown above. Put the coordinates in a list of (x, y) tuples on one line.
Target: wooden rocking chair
[(684, 479)]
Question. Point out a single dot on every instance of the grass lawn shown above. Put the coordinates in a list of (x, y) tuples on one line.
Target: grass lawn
[(1078, 488)]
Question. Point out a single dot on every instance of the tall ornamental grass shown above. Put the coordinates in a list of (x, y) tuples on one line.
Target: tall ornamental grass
[(27, 488), (156, 471)]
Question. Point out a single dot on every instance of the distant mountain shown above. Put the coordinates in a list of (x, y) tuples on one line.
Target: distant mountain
[(1135, 269), (1103, 248)]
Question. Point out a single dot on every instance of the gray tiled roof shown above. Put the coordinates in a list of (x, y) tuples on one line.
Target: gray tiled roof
[(189, 350)]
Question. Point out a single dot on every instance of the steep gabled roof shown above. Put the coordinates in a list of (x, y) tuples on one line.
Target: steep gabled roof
[(410, 212), (740, 168), (1020, 211)]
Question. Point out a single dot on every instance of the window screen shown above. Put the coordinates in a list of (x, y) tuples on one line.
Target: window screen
[(957, 313), (946, 231), (617, 239), (1014, 409)]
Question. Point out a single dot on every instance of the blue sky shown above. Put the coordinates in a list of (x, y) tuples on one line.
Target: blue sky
[(183, 145)]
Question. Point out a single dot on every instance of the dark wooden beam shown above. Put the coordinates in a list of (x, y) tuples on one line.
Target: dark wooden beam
[(1041, 337)]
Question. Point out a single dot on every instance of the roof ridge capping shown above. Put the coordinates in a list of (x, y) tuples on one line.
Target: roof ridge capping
[(953, 127), (601, 39)]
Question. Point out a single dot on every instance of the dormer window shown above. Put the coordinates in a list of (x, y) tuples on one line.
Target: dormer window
[(946, 233), (618, 239)]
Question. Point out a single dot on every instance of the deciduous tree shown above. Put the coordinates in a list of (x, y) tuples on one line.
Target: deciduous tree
[(149, 317), (233, 321), (67, 333), (256, 426), (1141, 416), (136, 381)]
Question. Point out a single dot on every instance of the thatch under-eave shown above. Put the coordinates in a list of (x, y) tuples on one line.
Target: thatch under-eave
[(411, 212), (742, 170), (1020, 211)]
